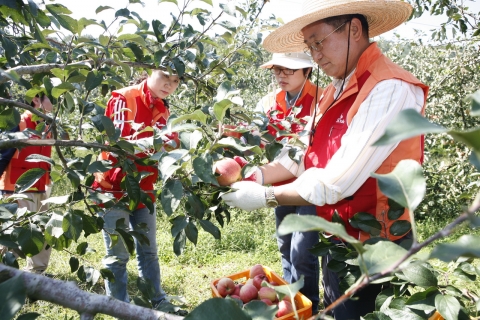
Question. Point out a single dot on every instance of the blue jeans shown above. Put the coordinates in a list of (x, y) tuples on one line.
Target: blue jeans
[(296, 259), (147, 258)]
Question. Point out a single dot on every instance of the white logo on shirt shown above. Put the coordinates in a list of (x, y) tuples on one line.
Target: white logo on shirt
[(340, 119)]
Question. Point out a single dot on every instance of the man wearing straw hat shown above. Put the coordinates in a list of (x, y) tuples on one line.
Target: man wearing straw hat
[(367, 92)]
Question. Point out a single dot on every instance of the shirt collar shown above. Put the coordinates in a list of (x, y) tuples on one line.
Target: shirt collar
[(337, 83)]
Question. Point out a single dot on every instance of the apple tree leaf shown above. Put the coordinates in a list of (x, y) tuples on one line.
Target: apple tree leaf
[(465, 246), (13, 294), (380, 256), (171, 196), (217, 308), (448, 306)]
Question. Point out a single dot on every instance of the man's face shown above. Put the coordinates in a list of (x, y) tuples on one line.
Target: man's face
[(332, 47)]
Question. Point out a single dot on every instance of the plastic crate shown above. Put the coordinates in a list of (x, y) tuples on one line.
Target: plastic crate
[(303, 304)]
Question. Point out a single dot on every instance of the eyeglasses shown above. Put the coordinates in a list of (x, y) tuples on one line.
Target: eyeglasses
[(317, 45), (278, 71)]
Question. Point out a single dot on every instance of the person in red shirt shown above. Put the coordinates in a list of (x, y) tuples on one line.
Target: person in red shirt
[(13, 164), (133, 109)]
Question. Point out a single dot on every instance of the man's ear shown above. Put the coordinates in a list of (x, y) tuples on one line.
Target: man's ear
[(356, 30)]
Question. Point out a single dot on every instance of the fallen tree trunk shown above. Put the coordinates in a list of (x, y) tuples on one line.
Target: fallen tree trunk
[(68, 295)]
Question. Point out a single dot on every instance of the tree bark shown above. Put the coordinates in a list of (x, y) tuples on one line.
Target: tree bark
[(68, 295)]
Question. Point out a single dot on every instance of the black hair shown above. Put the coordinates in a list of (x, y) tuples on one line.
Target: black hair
[(337, 21), (305, 71)]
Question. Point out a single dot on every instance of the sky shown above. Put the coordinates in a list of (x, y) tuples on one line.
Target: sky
[(287, 10)]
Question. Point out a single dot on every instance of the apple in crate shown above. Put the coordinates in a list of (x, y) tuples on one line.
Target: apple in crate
[(258, 279), (256, 269), (267, 293), (225, 286), (248, 293), (284, 307)]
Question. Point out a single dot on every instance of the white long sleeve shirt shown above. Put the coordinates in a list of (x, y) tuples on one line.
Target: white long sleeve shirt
[(356, 159)]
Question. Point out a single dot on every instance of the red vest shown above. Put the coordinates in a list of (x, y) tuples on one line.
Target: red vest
[(146, 111), (18, 165), (372, 68)]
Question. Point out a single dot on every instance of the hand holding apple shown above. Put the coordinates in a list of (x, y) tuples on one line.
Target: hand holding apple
[(229, 171)]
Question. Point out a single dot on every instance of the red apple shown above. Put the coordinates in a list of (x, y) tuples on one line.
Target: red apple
[(267, 293), (235, 296), (256, 269), (248, 293), (229, 171), (229, 131), (225, 286), (249, 281), (284, 307), (237, 289), (267, 302), (258, 279)]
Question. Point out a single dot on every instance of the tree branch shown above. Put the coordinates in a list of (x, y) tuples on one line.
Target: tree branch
[(18, 104), (68, 295)]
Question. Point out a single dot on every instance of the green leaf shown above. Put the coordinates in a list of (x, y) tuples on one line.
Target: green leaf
[(471, 138), (217, 308), (133, 191), (37, 46), (179, 243), (400, 227), (29, 316), (423, 300), (9, 119), (230, 142), (109, 127), (12, 295), (94, 79), (197, 115), (171, 196), (381, 255), (257, 309), (203, 169), (28, 179), (475, 103), (366, 222), (194, 206), (395, 210), (228, 8), (61, 88), (72, 226), (132, 38), (127, 240), (295, 223), (420, 275), (122, 13), (31, 240), (101, 8), (179, 66), (98, 166), (447, 306), (74, 264), (404, 185), (191, 232), (220, 108), (465, 246), (208, 1), (407, 124), (179, 223), (289, 290), (210, 228), (40, 158)]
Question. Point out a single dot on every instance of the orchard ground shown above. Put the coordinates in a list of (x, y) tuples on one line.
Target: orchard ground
[(247, 240)]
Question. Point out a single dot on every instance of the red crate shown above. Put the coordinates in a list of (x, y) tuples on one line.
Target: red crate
[(303, 304)]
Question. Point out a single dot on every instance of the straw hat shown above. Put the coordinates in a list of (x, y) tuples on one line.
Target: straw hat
[(290, 60), (382, 16)]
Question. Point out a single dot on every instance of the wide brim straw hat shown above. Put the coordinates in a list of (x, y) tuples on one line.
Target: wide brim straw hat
[(382, 16), (290, 60)]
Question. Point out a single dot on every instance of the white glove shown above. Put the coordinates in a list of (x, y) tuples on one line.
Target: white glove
[(248, 196)]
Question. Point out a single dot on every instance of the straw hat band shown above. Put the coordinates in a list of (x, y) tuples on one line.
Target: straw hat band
[(382, 16)]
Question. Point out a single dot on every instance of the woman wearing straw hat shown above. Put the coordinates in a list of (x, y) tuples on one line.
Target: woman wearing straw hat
[(367, 92), (295, 99)]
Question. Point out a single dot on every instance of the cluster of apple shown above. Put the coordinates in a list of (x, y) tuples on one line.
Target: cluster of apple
[(252, 289)]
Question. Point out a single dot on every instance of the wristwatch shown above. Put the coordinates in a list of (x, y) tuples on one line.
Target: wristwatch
[(270, 198)]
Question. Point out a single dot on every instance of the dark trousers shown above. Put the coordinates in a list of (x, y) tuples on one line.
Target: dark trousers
[(296, 259)]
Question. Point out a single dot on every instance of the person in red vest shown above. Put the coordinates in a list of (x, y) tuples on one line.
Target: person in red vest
[(367, 91), (288, 110), (132, 110), (13, 164)]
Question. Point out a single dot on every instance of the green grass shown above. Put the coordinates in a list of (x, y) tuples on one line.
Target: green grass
[(247, 240)]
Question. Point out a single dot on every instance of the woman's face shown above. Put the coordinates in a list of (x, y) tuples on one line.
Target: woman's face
[(162, 84), (42, 102), (290, 83)]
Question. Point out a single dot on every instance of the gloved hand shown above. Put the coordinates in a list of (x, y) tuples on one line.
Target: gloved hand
[(256, 177), (248, 196)]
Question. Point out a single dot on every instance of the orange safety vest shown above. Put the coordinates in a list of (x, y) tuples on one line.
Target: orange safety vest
[(372, 68), (18, 165)]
